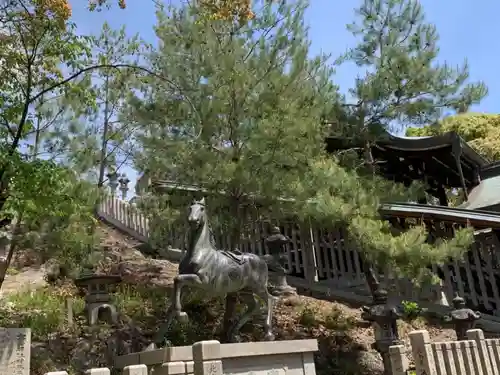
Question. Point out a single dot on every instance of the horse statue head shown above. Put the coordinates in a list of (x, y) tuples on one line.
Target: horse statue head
[(197, 214)]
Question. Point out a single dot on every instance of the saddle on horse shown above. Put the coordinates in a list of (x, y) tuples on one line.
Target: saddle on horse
[(235, 255)]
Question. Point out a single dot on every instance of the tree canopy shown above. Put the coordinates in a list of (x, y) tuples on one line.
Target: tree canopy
[(251, 107), (246, 114), (239, 11), (401, 82), (45, 82), (479, 130)]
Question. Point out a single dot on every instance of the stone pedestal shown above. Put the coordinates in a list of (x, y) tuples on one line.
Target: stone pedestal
[(278, 286), (383, 317), (276, 244)]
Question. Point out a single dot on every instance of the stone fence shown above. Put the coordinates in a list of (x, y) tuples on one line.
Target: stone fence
[(293, 357), (474, 356)]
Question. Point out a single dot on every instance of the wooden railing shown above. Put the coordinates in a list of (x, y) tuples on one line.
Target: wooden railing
[(325, 261)]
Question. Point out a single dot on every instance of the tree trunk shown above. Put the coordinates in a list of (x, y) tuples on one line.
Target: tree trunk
[(371, 276), (368, 266), (10, 252), (234, 223)]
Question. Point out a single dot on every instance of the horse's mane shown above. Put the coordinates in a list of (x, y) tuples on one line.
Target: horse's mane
[(210, 232), (212, 236)]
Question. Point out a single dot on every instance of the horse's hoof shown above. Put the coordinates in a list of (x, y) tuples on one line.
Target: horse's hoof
[(150, 347), (269, 337), (182, 317)]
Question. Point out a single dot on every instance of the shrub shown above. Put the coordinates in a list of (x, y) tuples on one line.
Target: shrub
[(42, 310)]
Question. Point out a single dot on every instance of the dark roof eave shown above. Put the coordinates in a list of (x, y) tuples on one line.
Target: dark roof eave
[(473, 155), (450, 214), (490, 170), (417, 144)]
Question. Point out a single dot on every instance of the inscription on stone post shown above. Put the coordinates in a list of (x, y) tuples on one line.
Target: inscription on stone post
[(15, 351)]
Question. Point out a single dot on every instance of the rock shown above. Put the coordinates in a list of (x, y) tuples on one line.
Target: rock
[(54, 271), (292, 301), (370, 362), (82, 358)]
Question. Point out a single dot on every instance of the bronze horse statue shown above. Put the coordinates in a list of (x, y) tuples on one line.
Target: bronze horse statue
[(220, 273)]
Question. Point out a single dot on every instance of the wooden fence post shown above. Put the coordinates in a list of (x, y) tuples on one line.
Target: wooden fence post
[(308, 253)]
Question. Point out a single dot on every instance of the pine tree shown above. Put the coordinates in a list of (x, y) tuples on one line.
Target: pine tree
[(243, 114), (403, 84), (96, 138)]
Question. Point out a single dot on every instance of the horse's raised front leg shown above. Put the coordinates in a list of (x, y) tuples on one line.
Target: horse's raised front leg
[(181, 281)]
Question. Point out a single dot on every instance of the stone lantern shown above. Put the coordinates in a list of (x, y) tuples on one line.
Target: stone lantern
[(462, 318), (113, 181), (384, 317), (276, 244), (98, 305)]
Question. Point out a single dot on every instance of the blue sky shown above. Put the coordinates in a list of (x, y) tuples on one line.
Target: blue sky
[(466, 31)]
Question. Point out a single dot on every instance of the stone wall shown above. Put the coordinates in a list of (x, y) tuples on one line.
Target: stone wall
[(293, 357)]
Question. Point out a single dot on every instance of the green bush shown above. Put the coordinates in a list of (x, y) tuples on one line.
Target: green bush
[(308, 318), (337, 320), (411, 310), (42, 310)]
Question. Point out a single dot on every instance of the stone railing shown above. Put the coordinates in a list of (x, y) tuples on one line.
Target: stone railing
[(475, 356), (125, 217), (213, 358)]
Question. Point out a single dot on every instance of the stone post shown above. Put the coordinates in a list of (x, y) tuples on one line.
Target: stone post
[(123, 181), (207, 358), (383, 317), (136, 370), (462, 318), (478, 336), (276, 244), (98, 371), (399, 362), (113, 181), (422, 353), (171, 368)]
